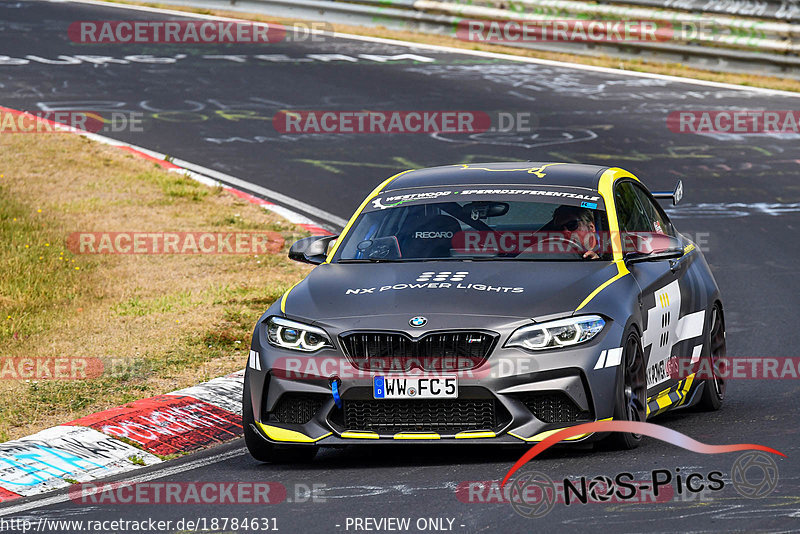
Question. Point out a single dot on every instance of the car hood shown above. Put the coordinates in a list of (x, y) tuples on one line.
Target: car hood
[(533, 289)]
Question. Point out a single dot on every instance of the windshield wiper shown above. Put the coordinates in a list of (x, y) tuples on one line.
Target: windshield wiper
[(395, 260), (366, 260)]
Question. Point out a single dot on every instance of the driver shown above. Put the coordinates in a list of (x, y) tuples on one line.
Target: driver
[(577, 224)]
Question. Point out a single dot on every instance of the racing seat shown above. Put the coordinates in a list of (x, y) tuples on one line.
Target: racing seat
[(429, 236)]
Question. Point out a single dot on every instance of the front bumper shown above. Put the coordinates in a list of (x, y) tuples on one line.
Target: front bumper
[(532, 395)]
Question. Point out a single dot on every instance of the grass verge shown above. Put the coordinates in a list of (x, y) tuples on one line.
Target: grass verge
[(655, 67), (157, 322)]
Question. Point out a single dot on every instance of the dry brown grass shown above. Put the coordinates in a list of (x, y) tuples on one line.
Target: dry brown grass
[(176, 320), (671, 69)]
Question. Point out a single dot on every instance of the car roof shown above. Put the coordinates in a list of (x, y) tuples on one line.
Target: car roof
[(509, 173)]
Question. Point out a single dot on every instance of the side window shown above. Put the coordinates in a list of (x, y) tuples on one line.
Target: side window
[(657, 219), (630, 213)]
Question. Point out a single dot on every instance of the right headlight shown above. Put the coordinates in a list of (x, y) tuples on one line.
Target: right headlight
[(556, 334), (292, 335)]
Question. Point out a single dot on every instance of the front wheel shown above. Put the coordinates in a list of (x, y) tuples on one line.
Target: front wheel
[(631, 394), (261, 449)]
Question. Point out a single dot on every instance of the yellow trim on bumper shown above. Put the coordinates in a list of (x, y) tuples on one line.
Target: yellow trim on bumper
[(541, 436), (471, 434), (417, 435), (355, 434), (281, 434)]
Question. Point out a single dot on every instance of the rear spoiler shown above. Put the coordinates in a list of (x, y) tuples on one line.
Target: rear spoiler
[(674, 196)]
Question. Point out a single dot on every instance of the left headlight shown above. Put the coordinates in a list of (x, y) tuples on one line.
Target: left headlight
[(556, 334), (292, 335)]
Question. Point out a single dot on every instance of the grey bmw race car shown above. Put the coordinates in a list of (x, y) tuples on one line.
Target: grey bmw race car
[(487, 303)]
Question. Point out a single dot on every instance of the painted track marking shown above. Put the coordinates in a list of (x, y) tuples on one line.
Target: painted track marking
[(145, 477)]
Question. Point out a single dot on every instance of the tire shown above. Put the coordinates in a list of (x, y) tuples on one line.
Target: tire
[(631, 395), (714, 387), (260, 448)]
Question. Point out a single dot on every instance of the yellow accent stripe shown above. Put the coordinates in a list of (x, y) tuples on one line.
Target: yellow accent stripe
[(542, 435), (475, 434), (285, 295), (688, 248), (659, 399), (538, 171), (281, 434), (600, 288), (363, 205), (347, 228), (547, 433), (677, 395), (606, 189), (417, 435), (354, 434), (686, 387)]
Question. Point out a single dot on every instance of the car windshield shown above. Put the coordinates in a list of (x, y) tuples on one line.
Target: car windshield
[(479, 225)]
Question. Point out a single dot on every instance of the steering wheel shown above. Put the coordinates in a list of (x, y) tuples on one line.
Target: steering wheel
[(382, 248)]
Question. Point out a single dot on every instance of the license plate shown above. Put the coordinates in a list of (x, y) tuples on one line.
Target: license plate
[(408, 387)]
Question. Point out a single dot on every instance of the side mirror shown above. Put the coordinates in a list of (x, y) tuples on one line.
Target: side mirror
[(645, 246), (313, 250)]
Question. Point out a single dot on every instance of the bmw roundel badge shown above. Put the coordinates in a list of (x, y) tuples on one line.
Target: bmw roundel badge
[(418, 322)]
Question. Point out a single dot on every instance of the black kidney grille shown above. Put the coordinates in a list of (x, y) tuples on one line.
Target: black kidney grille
[(297, 408), (447, 351), (554, 407), (444, 416)]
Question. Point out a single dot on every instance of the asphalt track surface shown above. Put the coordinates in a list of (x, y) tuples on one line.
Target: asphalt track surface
[(742, 196)]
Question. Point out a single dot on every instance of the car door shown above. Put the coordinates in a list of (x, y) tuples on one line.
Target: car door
[(662, 285)]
